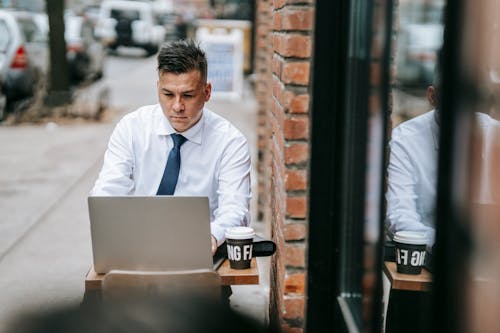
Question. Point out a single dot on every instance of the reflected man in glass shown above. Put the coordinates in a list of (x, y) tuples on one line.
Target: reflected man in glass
[(412, 169), (412, 172)]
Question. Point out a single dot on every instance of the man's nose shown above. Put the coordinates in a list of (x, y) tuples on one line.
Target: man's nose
[(178, 105)]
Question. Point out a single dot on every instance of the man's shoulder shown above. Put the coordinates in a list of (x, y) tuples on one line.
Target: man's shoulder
[(418, 126)]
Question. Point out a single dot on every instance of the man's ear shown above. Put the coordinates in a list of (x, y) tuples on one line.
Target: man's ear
[(208, 91), (432, 96)]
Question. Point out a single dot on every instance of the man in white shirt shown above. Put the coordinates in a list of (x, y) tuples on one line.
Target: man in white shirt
[(214, 157), (412, 174), (412, 171)]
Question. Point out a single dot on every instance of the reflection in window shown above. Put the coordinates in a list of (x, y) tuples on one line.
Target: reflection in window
[(412, 168), (414, 144)]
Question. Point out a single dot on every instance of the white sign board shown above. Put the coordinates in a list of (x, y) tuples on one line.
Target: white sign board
[(224, 53)]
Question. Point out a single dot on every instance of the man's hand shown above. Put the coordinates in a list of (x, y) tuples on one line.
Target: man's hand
[(214, 245)]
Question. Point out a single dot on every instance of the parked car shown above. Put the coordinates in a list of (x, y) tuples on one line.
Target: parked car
[(86, 55), (91, 12), (175, 26), (23, 54), (4, 43), (130, 23)]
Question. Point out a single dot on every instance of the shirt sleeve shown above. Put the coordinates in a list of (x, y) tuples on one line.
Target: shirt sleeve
[(233, 190), (115, 177), (402, 213)]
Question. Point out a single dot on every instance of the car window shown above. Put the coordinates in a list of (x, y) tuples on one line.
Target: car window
[(73, 25), (4, 36), (87, 32), (30, 30), (129, 14)]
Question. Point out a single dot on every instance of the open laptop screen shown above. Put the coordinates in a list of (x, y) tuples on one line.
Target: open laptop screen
[(150, 233)]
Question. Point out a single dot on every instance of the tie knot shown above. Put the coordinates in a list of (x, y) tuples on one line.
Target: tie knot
[(178, 140)]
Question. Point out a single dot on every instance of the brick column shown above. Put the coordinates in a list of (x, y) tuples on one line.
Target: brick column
[(288, 149)]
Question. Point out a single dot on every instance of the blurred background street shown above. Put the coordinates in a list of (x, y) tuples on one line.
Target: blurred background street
[(62, 92), (47, 171)]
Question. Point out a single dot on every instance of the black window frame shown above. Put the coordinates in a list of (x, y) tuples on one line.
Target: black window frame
[(453, 241), (339, 118), (328, 117)]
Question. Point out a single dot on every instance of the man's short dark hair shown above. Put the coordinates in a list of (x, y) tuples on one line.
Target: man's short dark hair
[(182, 56)]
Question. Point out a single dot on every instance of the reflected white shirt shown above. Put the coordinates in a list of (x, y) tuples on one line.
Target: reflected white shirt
[(215, 162), (412, 174)]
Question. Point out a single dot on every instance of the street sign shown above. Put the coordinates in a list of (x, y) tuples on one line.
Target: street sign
[(224, 51)]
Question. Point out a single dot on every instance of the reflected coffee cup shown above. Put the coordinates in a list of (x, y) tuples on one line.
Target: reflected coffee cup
[(410, 251), (239, 242)]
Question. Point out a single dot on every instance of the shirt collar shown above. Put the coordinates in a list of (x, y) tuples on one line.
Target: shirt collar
[(163, 127)]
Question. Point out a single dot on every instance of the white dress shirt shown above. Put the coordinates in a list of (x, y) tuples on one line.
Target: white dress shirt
[(412, 174), (215, 162)]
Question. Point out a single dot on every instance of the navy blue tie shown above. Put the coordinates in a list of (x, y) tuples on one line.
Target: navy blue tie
[(171, 173)]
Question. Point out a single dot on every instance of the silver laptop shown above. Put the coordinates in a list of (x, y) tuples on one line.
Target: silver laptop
[(150, 233)]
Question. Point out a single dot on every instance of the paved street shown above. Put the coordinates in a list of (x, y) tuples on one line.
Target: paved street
[(47, 171)]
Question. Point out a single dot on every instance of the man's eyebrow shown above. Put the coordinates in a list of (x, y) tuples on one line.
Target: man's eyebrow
[(183, 92)]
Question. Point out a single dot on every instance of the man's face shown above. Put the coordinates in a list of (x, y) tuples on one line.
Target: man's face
[(182, 97)]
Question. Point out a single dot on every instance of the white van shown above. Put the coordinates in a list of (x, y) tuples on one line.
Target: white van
[(129, 23)]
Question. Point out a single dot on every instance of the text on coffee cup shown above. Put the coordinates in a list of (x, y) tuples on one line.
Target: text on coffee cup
[(234, 252), (417, 257)]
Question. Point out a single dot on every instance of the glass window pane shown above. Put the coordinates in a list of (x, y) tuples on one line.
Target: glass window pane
[(412, 168), (414, 141)]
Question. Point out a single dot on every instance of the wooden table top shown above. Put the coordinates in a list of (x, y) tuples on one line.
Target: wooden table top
[(420, 282), (93, 281)]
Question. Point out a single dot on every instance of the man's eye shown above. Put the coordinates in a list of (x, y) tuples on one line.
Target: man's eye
[(188, 96), (168, 94)]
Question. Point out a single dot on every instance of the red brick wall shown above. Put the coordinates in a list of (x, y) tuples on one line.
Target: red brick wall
[(283, 68)]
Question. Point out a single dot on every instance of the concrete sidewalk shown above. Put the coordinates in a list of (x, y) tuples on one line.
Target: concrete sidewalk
[(44, 233)]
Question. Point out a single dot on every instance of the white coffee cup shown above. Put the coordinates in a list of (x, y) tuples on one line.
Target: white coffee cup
[(410, 251), (239, 242)]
